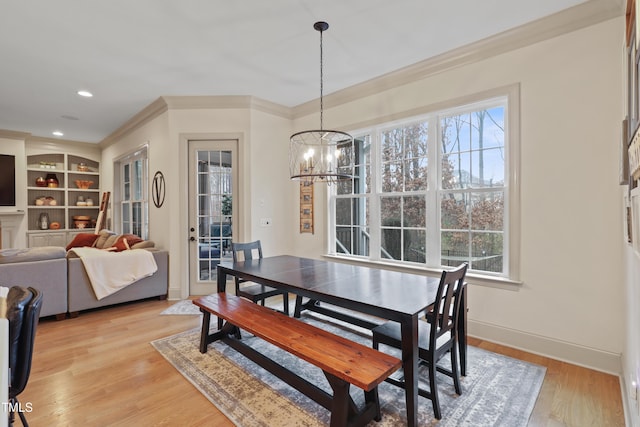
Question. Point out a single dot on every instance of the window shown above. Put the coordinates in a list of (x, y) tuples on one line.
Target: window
[(132, 214), (429, 191)]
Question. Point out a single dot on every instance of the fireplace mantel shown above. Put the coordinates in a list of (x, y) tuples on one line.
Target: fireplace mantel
[(9, 224)]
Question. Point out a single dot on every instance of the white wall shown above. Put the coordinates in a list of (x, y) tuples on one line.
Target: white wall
[(260, 149), (154, 134), (263, 173), (571, 261), (268, 196)]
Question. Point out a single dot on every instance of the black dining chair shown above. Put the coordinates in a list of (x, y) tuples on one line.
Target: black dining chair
[(254, 291), (23, 312), (437, 334)]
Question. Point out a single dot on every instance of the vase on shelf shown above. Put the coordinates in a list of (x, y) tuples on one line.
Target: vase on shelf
[(52, 180), (43, 221)]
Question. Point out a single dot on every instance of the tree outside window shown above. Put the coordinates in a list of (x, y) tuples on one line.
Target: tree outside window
[(403, 209)]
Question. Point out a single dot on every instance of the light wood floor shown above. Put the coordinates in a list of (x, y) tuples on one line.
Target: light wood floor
[(100, 370)]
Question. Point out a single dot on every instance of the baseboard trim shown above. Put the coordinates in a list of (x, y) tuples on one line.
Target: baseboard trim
[(174, 294), (575, 354)]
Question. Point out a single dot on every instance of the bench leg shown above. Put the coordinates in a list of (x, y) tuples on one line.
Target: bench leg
[(371, 397), (340, 404), (206, 338), (344, 411), (204, 333)]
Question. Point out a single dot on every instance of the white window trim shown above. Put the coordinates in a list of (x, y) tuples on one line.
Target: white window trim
[(141, 152), (512, 186)]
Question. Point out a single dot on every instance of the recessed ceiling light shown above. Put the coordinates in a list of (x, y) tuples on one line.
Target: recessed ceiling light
[(85, 93), (58, 133)]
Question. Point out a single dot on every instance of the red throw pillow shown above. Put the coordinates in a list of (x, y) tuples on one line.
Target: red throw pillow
[(125, 242), (83, 239)]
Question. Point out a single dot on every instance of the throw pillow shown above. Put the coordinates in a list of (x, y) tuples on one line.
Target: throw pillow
[(104, 235), (110, 241), (82, 239), (125, 241)]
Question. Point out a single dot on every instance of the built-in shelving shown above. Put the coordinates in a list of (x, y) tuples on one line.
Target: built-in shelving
[(63, 202)]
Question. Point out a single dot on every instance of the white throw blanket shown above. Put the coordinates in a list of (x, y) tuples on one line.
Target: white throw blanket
[(111, 271)]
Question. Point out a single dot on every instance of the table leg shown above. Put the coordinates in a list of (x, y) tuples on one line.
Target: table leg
[(409, 328), (462, 333)]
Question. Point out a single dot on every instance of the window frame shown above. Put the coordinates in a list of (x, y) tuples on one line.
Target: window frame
[(510, 96), (129, 159)]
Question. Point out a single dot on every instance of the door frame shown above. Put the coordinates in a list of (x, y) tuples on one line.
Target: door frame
[(183, 259)]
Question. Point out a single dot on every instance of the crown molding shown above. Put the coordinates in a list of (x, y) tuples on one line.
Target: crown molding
[(32, 139), (166, 103), (227, 102), (12, 134), (577, 17), (148, 113)]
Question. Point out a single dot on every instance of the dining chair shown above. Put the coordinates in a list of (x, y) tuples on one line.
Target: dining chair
[(23, 312), (255, 291), (437, 334)]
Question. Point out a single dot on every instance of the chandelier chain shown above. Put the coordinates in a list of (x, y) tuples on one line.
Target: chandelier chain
[(321, 84)]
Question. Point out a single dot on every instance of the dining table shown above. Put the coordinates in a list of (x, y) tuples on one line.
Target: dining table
[(346, 291)]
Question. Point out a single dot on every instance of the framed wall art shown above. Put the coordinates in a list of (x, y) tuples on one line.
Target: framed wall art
[(306, 207)]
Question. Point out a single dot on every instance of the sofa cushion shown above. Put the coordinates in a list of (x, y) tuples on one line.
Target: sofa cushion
[(144, 244), (8, 256), (83, 239)]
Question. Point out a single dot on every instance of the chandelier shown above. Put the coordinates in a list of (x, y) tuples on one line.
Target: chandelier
[(321, 155)]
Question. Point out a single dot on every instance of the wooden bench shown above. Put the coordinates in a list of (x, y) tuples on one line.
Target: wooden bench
[(343, 361)]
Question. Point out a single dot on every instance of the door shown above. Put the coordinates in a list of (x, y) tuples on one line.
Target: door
[(212, 190)]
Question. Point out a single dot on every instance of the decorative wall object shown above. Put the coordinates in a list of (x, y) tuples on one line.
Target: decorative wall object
[(624, 153), (158, 189), (306, 206), (634, 157)]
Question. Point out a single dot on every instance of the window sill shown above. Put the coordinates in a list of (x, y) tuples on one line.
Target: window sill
[(472, 278)]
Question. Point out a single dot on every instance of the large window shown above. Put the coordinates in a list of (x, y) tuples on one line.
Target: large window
[(132, 214), (429, 191)]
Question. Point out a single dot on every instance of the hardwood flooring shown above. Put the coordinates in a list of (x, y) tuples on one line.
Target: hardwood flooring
[(99, 369)]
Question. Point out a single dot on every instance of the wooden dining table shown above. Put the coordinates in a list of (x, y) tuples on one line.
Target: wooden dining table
[(344, 290)]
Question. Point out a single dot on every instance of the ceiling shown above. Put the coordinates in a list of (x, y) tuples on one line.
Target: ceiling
[(128, 53)]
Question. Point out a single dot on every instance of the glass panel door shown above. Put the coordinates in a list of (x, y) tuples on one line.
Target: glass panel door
[(211, 216)]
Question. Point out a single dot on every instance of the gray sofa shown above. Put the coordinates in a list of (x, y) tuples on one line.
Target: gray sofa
[(81, 296), (42, 268), (64, 282)]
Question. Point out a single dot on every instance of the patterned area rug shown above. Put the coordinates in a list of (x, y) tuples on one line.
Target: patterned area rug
[(497, 391), (183, 307)]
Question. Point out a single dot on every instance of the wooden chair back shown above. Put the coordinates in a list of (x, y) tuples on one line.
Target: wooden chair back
[(246, 251), (445, 311)]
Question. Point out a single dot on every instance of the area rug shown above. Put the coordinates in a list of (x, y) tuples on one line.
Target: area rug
[(497, 391), (182, 307)]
